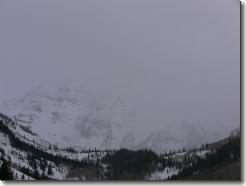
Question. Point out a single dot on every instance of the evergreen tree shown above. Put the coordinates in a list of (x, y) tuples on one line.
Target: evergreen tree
[(23, 177), (5, 171), (50, 172), (36, 174)]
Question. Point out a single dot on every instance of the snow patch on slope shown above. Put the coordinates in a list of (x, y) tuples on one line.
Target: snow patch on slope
[(74, 117)]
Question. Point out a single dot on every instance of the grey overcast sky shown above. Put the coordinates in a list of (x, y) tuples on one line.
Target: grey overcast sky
[(175, 60)]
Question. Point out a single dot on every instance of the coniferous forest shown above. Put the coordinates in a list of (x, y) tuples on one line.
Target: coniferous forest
[(214, 161)]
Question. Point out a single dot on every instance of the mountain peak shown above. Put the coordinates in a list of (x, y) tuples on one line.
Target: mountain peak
[(73, 115)]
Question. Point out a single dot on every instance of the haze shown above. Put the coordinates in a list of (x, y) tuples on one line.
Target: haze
[(175, 61)]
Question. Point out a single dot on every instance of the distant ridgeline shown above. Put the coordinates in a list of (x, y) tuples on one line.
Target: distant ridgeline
[(25, 156)]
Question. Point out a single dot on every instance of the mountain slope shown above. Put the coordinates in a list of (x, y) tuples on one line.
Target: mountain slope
[(74, 117), (82, 118), (181, 136), (229, 171), (222, 162), (26, 156)]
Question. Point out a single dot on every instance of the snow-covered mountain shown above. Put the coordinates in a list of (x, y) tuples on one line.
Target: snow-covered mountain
[(74, 117), (177, 137), (25, 156), (83, 118)]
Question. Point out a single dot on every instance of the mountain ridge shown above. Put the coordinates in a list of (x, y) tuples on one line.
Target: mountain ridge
[(85, 118)]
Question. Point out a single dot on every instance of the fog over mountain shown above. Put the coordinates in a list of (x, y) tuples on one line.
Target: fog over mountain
[(171, 68)]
